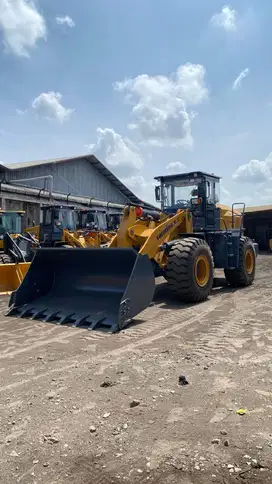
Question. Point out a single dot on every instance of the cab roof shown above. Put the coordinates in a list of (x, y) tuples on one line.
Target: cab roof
[(188, 176)]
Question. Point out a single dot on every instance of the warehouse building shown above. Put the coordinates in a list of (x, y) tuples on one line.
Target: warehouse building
[(78, 181), (258, 224)]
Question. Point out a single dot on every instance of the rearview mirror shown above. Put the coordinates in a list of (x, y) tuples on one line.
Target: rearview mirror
[(158, 194)]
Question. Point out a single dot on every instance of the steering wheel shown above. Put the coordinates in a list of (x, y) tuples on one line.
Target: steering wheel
[(181, 202)]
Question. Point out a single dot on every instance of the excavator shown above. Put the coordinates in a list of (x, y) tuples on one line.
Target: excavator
[(184, 242)]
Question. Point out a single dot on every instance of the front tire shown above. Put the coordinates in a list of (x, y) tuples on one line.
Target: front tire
[(244, 275), (189, 270)]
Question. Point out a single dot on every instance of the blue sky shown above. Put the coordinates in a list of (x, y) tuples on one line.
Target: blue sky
[(150, 87)]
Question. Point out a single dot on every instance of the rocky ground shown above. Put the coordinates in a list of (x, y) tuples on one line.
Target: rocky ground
[(89, 407)]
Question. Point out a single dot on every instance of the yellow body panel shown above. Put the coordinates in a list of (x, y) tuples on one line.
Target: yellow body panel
[(226, 218), (11, 276), (150, 234), (35, 231), (75, 239)]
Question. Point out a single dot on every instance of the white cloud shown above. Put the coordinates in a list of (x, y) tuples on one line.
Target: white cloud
[(224, 191), (20, 112), (141, 187), (122, 157), (175, 167), (21, 25), (48, 105), (226, 19), (118, 153), (160, 104), (65, 21), (238, 81), (255, 171)]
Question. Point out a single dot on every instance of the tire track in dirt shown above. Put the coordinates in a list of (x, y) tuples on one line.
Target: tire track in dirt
[(112, 356)]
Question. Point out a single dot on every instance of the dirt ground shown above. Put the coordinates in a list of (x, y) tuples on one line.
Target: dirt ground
[(89, 407)]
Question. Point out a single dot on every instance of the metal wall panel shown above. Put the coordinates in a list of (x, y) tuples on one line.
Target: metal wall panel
[(77, 177)]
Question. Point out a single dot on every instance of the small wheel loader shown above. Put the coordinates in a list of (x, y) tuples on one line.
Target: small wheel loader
[(10, 223), (184, 242), (65, 226), (58, 228), (93, 225)]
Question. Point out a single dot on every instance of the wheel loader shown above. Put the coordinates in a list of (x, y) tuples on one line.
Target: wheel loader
[(70, 227), (93, 225), (10, 223), (61, 226), (184, 242), (14, 253), (57, 228)]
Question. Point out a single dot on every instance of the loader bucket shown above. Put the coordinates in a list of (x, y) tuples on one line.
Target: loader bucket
[(11, 276), (93, 287)]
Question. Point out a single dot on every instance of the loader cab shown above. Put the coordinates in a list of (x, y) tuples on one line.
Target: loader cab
[(196, 191), (113, 221), (94, 220), (55, 219), (11, 223)]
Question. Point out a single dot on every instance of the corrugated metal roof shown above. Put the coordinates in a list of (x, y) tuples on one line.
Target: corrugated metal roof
[(27, 164), (91, 159), (260, 208)]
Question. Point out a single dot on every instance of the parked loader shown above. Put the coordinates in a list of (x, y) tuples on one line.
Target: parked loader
[(65, 226), (14, 250), (57, 228), (11, 223), (92, 224), (184, 242)]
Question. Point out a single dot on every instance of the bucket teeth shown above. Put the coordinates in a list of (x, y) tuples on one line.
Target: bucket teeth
[(52, 316), (26, 312), (39, 314), (66, 319)]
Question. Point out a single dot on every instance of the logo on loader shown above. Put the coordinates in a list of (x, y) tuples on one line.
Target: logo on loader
[(167, 228)]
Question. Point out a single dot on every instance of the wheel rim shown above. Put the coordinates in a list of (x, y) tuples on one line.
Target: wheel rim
[(249, 261), (202, 270)]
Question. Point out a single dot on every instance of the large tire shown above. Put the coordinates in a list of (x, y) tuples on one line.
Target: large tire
[(189, 270), (244, 275), (5, 259)]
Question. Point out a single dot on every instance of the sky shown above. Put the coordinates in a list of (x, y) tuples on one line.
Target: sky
[(150, 87)]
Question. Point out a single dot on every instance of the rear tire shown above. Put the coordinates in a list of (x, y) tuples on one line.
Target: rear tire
[(5, 259), (189, 270), (244, 275)]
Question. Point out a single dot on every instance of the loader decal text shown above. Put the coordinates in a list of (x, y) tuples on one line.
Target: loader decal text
[(167, 228)]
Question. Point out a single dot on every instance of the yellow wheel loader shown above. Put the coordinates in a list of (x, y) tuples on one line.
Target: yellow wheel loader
[(63, 226), (96, 226), (60, 227), (184, 242), (10, 223), (14, 259)]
